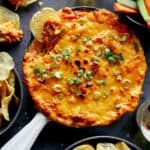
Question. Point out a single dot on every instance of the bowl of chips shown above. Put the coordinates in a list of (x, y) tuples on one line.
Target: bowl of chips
[(103, 143), (10, 92)]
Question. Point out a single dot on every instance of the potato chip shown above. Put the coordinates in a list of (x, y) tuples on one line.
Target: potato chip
[(39, 19), (7, 85), (9, 26), (11, 79), (6, 101), (122, 146), (4, 73), (105, 146), (6, 65), (7, 15), (3, 90), (84, 147), (1, 82)]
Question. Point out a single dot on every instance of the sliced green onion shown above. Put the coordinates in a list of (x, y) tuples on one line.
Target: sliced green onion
[(121, 56), (86, 39), (56, 74), (123, 38), (57, 58), (88, 75), (112, 58), (74, 80), (101, 82), (107, 52), (105, 93), (76, 37), (96, 58), (66, 53), (80, 72), (39, 70)]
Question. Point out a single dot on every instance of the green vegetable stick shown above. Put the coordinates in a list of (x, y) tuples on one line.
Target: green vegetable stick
[(128, 3), (143, 10)]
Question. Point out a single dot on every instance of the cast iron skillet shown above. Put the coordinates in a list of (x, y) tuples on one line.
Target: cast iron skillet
[(14, 109), (33, 128), (102, 139)]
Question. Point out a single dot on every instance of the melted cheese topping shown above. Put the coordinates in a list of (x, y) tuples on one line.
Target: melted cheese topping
[(91, 75)]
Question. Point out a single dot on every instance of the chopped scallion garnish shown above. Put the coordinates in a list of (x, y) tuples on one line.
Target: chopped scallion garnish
[(56, 74), (88, 75), (66, 53), (101, 82), (86, 39), (123, 38), (111, 57), (80, 72), (74, 80)]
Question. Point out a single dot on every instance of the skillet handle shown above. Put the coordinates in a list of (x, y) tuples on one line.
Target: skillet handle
[(25, 138)]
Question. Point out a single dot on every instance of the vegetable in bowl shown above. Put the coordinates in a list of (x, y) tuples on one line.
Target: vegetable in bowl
[(135, 7)]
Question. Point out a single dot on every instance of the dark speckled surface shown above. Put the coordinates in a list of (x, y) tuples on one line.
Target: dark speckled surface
[(55, 136)]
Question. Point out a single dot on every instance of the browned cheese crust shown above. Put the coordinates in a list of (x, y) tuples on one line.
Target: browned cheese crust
[(88, 73)]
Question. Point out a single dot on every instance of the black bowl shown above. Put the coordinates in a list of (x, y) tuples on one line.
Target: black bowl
[(14, 109), (137, 19), (97, 139)]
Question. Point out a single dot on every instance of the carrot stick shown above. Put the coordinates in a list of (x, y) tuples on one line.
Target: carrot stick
[(148, 24), (147, 4), (123, 9)]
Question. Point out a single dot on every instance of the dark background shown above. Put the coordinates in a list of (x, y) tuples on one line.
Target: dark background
[(55, 136)]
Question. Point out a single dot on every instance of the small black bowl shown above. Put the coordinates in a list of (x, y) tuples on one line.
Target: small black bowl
[(137, 19), (14, 109), (98, 139)]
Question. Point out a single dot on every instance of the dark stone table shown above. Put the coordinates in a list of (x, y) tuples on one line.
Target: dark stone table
[(55, 136)]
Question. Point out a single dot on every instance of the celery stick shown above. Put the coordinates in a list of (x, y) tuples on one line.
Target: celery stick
[(128, 3), (143, 10)]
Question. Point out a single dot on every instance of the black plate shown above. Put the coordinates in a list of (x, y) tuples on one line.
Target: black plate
[(97, 139), (13, 108)]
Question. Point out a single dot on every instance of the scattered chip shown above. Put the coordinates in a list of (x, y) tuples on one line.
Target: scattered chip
[(122, 146), (6, 65), (84, 147), (39, 19), (11, 79), (9, 26), (105, 146)]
